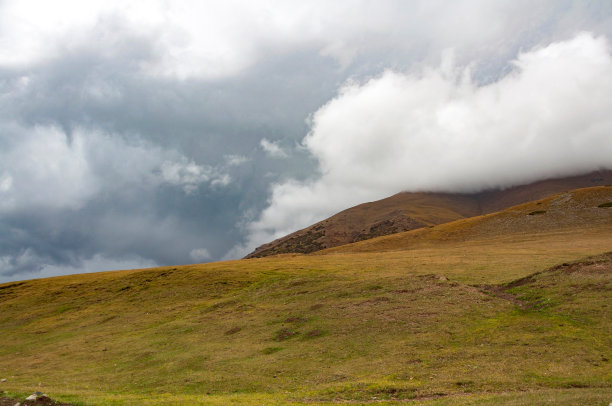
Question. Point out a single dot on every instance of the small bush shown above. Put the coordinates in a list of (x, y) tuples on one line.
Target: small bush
[(609, 204), (533, 213)]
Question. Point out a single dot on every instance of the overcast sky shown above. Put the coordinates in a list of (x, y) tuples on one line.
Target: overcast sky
[(137, 134)]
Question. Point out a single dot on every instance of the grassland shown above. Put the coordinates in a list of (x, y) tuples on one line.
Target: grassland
[(423, 319)]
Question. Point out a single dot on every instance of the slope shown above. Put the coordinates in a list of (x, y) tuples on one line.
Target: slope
[(560, 213), (474, 316), (409, 211)]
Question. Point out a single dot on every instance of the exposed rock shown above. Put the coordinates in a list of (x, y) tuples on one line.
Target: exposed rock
[(35, 399), (38, 396)]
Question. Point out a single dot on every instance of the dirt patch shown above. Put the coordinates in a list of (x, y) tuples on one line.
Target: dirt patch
[(314, 333), (296, 320), (500, 292), (284, 334), (537, 212), (232, 330)]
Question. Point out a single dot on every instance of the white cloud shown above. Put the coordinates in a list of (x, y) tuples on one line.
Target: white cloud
[(42, 166), (235, 160), (221, 180), (437, 130), (190, 175), (199, 254), (97, 263), (6, 183), (272, 148), (220, 39)]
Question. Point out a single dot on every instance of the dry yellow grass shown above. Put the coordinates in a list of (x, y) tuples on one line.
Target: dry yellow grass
[(404, 322)]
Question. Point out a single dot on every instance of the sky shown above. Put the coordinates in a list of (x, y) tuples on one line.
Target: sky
[(150, 133)]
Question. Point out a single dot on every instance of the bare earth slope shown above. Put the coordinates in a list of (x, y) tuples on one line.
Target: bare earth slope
[(408, 211)]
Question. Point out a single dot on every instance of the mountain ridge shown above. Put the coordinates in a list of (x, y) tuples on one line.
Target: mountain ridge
[(407, 211), (563, 211)]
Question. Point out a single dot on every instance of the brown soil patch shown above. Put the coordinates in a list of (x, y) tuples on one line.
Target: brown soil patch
[(284, 334), (232, 330), (296, 320)]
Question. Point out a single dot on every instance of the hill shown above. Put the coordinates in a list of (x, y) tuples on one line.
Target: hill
[(456, 314), (571, 210), (409, 211)]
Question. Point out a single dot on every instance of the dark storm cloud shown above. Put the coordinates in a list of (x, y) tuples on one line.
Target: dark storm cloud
[(110, 133)]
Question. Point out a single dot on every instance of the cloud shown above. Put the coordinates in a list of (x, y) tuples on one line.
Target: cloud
[(272, 148), (199, 254), (214, 40), (68, 200), (42, 166), (133, 129), (437, 130), (235, 160), (190, 175), (29, 262)]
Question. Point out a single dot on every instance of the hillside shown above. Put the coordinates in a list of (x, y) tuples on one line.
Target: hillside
[(456, 314), (566, 211), (409, 211)]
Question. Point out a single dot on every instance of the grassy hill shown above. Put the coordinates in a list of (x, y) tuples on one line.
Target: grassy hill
[(409, 211), (499, 309), (571, 210)]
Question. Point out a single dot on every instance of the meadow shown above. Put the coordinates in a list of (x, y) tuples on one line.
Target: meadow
[(513, 318)]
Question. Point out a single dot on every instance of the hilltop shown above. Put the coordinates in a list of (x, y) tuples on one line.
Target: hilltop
[(506, 308), (408, 211), (571, 210)]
